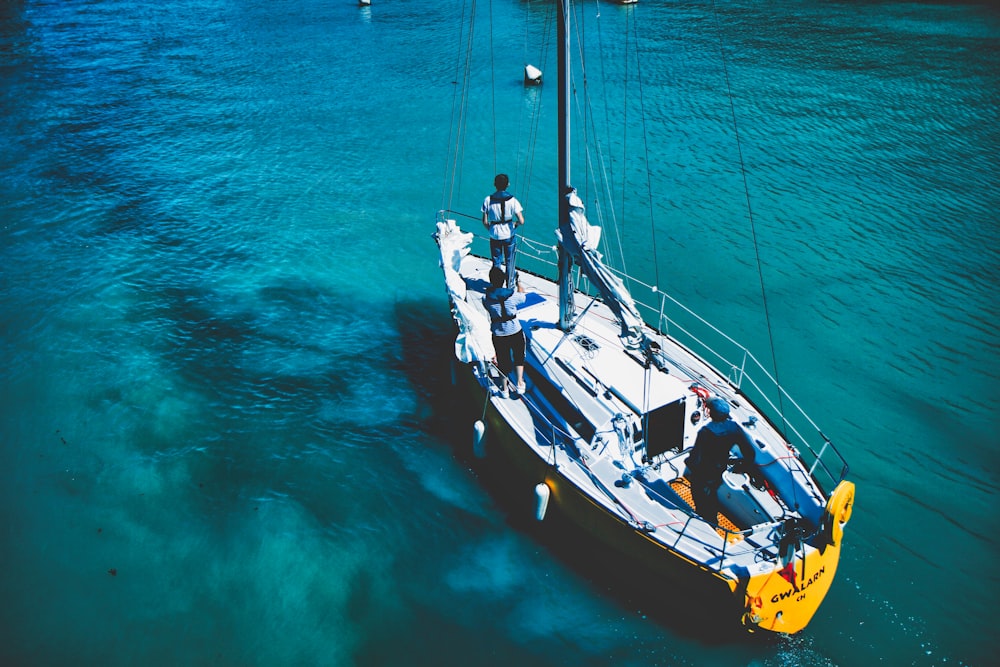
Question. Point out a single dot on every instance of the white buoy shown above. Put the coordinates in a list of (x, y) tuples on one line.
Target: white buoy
[(479, 439), (541, 500), (532, 75)]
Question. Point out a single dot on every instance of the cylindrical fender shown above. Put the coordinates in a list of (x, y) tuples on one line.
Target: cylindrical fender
[(541, 500), (479, 439), (838, 509)]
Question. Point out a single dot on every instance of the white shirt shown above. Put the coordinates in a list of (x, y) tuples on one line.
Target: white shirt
[(501, 229)]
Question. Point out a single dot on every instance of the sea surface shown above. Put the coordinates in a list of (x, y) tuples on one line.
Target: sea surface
[(225, 431)]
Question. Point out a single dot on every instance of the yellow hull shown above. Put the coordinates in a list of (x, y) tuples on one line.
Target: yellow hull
[(785, 600)]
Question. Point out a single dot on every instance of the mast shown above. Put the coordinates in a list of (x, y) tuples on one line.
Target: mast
[(566, 305)]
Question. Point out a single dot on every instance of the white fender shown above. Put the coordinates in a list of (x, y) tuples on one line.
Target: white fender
[(479, 439), (541, 500)]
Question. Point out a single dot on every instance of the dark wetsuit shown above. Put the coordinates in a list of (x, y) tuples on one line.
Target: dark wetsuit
[(708, 460)]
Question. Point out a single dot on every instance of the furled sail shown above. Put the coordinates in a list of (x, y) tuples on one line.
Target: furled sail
[(580, 239), (474, 342)]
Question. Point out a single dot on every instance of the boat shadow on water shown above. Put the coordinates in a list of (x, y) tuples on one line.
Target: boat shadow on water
[(426, 341)]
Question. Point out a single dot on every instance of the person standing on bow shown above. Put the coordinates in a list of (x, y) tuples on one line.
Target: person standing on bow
[(502, 215), (709, 457), (508, 336)]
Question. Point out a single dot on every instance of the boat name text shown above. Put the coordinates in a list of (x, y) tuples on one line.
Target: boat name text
[(778, 597)]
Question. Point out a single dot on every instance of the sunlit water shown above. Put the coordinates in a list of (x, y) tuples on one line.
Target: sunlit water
[(225, 438)]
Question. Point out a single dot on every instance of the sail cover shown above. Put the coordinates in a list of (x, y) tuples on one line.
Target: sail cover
[(580, 239), (474, 342)]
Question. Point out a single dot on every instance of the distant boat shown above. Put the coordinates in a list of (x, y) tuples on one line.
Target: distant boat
[(365, 3), (603, 430)]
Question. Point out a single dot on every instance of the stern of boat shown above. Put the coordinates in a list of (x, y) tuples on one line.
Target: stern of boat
[(785, 598)]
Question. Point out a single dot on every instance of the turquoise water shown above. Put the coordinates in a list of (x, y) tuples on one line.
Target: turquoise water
[(225, 437)]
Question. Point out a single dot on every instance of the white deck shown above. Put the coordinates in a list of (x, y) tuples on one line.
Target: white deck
[(573, 363)]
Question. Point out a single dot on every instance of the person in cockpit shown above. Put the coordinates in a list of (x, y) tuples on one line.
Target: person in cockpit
[(709, 457)]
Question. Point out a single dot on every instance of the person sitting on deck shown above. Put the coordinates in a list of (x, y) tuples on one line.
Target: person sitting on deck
[(508, 336), (709, 457)]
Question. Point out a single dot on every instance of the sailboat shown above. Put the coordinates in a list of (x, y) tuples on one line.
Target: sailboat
[(603, 430)]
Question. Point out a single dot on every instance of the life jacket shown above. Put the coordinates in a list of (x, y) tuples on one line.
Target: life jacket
[(502, 198), (505, 316)]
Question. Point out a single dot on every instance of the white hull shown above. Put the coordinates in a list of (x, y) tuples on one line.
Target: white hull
[(580, 429)]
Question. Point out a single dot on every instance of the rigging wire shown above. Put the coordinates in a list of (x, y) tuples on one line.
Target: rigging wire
[(591, 141), (645, 147), (625, 116), (459, 109), (520, 131), (607, 120), (534, 98), (600, 178), (753, 228), (493, 91)]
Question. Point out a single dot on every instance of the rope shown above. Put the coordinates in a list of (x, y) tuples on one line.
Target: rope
[(486, 402), (753, 228), (477, 218)]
